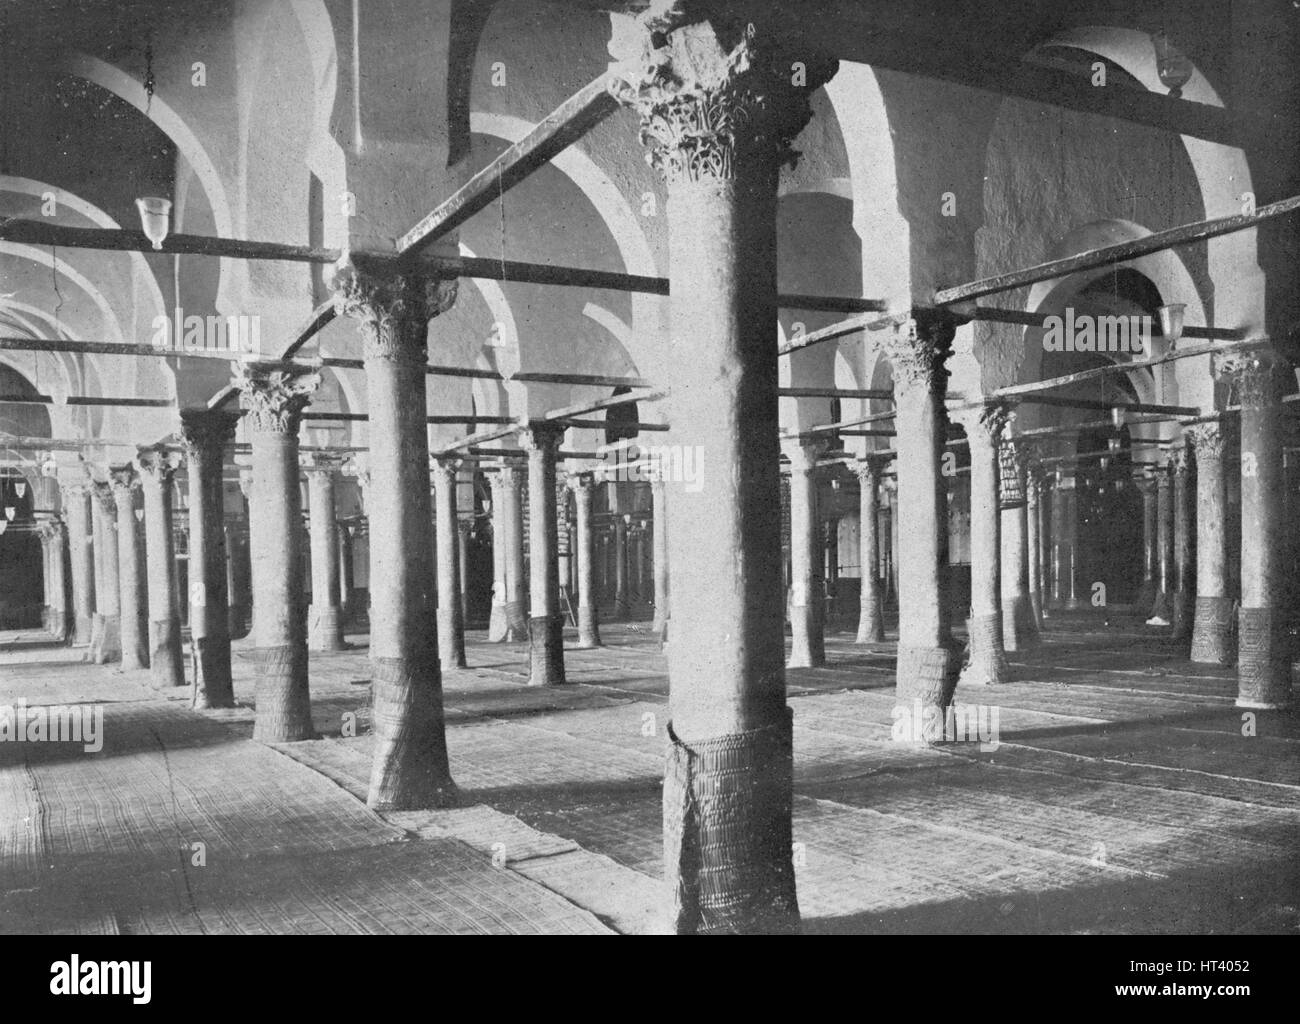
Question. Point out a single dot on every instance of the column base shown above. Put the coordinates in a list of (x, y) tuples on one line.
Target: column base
[(808, 642), (239, 621), (165, 659), (1019, 633), (1162, 608), (135, 653), (497, 624), (588, 627), (727, 832), (210, 661), (926, 679), (283, 706), (325, 629), (410, 769), (1212, 632), (109, 648), (987, 662), (81, 631), (546, 651), (1263, 659), (871, 625), (451, 639), (516, 622)]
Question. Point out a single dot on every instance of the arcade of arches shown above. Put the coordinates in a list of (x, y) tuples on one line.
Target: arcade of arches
[(736, 472)]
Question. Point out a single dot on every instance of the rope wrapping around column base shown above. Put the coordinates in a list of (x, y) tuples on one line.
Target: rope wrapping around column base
[(165, 659), (451, 638), (516, 622), (210, 659), (497, 624), (325, 628), (808, 642), (986, 662), (1263, 659), (282, 702), (409, 770), (588, 626), (546, 651), (927, 677), (1213, 631), (727, 832)]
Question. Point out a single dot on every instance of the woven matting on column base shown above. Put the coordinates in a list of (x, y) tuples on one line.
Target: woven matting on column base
[(409, 771), (927, 677), (516, 622), (1213, 633), (165, 658), (546, 651), (210, 659), (451, 639), (808, 645), (986, 662), (727, 832), (283, 705), (588, 627), (325, 629), (497, 624), (1263, 659)]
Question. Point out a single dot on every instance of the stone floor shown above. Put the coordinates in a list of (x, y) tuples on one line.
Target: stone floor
[(1125, 793)]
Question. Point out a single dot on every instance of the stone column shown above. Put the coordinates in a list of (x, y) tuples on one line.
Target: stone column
[(205, 434), (1044, 492), (546, 621), (133, 584), (451, 624), (325, 618), (513, 519), (275, 395), (497, 620), (928, 662), (620, 611), (1150, 588), (588, 628), (718, 109), (76, 511), (53, 549), (410, 768), (1033, 544), (1184, 564), (347, 576), (659, 510), (1162, 610), (462, 570), (157, 467), (1018, 629), (807, 636), (988, 660), (106, 644), (1212, 631), (871, 618), (1260, 378)]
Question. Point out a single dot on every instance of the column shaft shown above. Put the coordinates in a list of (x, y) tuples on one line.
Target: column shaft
[(546, 621), (588, 619), (807, 637), (1212, 631), (325, 620), (659, 510), (165, 658), (1184, 566), (109, 597), (871, 619), (451, 624), (516, 597), (988, 661)]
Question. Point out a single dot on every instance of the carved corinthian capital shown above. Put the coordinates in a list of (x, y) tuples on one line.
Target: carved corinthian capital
[(393, 305), (1258, 378), (1207, 441), (715, 91), (917, 351), (274, 394)]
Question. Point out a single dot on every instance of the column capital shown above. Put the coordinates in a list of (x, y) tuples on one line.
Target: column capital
[(315, 464), (918, 349), (275, 394), (207, 430), (1258, 377), (715, 92), (123, 480), (74, 483), (542, 435), (870, 468), (581, 482), (446, 465), (157, 464), (393, 303), (1207, 440), (803, 453), (984, 424), (1179, 459)]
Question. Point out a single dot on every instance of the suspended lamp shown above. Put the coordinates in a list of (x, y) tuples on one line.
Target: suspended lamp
[(155, 218)]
